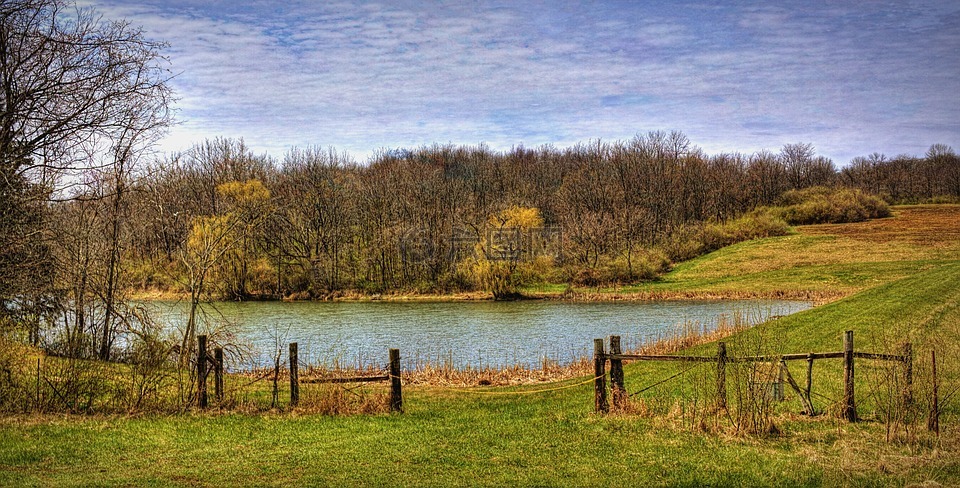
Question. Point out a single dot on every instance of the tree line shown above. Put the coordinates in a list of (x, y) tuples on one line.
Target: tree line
[(442, 218)]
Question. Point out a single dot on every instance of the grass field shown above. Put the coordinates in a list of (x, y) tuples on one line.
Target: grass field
[(890, 281)]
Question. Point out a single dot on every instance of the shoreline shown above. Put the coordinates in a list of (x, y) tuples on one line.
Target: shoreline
[(817, 297)]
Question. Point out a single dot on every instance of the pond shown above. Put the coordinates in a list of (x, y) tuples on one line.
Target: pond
[(461, 334)]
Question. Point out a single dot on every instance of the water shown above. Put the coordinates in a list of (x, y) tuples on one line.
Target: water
[(463, 334)]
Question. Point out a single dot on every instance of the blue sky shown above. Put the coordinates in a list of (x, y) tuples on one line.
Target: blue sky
[(850, 77)]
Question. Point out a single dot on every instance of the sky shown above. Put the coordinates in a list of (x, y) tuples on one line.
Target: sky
[(852, 78)]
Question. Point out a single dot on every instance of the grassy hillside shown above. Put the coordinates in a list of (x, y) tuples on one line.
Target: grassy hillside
[(901, 278), (822, 260)]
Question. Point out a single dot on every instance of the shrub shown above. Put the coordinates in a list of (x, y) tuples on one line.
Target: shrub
[(820, 205), (683, 243), (644, 265), (754, 225)]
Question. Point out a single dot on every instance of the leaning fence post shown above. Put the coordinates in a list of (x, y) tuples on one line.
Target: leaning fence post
[(202, 371), (849, 405), (721, 375), (218, 374), (907, 375), (617, 387), (396, 395), (294, 376), (599, 382)]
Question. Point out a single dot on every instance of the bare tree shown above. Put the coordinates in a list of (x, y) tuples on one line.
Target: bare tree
[(67, 75), (68, 81)]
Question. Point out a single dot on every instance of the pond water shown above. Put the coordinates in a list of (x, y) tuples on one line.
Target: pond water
[(461, 334)]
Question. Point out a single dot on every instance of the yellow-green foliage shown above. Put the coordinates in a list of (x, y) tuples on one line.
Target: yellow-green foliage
[(244, 194), (209, 234), (754, 225), (688, 242), (500, 267), (523, 218), (147, 275), (821, 205), (223, 243), (642, 264)]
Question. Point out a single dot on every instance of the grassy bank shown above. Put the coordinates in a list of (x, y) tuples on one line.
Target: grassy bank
[(817, 261), (900, 279)]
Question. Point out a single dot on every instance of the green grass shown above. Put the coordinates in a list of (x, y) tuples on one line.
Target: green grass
[(454, 438), (518, 444)]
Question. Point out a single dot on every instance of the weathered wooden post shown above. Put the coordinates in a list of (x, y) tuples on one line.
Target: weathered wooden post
[(721, 375), (809, 389), (396, 395), (907, 375), (933, 421), (599, 381), (849, 404), (294, 376), (202, 371), (617, 388), (218, 374)]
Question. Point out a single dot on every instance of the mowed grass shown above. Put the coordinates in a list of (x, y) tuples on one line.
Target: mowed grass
[(484, 437)]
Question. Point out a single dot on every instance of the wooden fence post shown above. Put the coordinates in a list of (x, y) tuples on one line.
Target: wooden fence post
[(396, 395), (294, 376), (849, 404), (933, 421), (721, 375), (202, 371), (907, 375), (599, 381), (809, 389), (617, 388), (218, 374)]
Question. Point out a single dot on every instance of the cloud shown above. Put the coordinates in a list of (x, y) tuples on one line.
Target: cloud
[(852, 79)]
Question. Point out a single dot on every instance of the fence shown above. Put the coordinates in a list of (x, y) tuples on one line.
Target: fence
[(616, 373), (848, 354), (216, 362)]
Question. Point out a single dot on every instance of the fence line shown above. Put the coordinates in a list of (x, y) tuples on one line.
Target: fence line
[(848, 354), (204, 360), (616, 358)]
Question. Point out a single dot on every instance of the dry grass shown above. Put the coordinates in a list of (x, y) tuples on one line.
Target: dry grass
[(931, 229), (446, 375), (694, 333), (912, 234), (816, 296)]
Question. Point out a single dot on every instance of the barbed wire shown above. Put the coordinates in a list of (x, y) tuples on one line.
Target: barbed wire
[(658, 383)]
